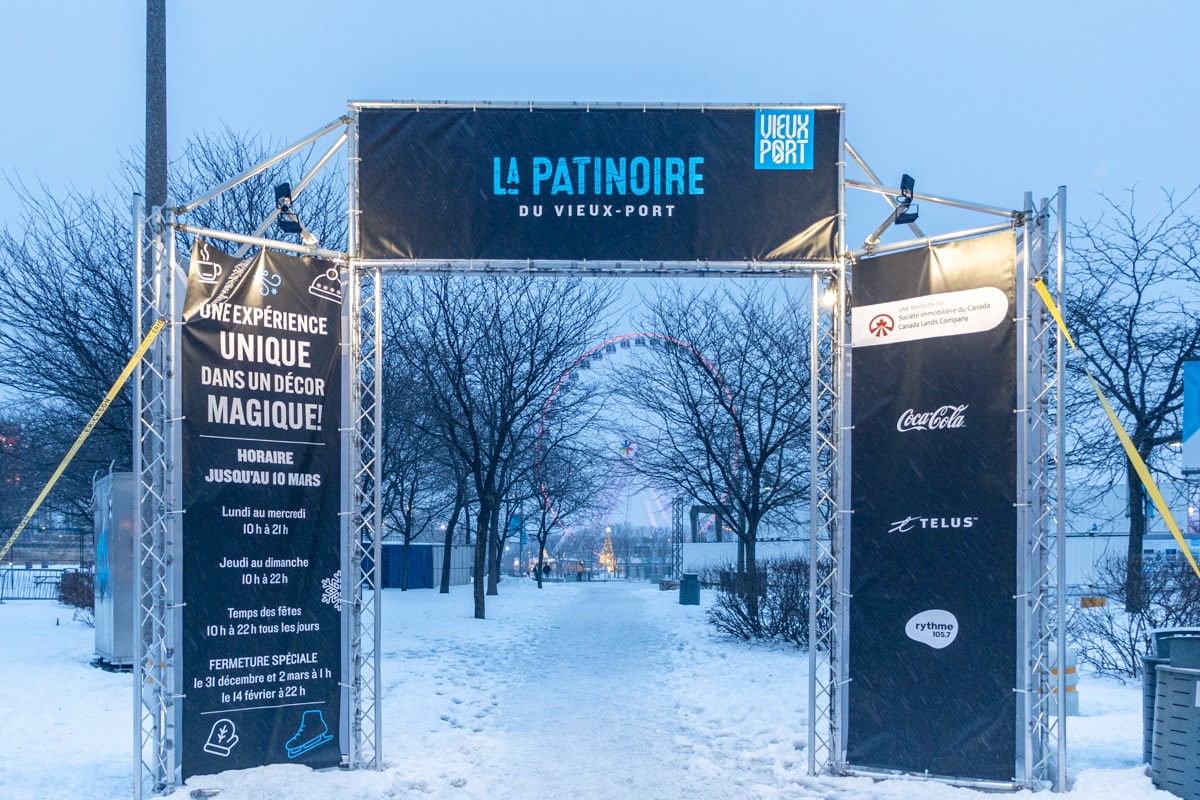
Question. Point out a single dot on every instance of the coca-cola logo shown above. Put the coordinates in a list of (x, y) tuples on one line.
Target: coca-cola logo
[(942, 419)]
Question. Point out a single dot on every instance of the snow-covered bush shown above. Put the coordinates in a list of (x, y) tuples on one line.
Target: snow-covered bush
[(76, 589), (776, 609), (1112, 641)]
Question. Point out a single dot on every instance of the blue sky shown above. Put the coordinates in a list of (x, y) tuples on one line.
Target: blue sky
[(977, 101)]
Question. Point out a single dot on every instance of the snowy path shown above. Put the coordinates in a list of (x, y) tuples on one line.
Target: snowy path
[(598, 654), (581, 691), (595, 690)]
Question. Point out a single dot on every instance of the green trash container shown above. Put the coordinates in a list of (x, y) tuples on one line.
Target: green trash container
[(689, 589)]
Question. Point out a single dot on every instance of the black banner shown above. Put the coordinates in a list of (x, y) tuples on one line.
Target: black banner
[(933, 546), (599, 184), (261, 380)]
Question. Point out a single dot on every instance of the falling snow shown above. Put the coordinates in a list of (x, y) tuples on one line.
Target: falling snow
[(593, 691)]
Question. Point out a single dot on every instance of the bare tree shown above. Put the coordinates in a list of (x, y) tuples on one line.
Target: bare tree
[(492, 351), (1113, 642), (1132, 311), (567, 479), (65, 330), (416, 487), (459, 510), (66, 319), (724, 405), (18, 487), (210, 160)]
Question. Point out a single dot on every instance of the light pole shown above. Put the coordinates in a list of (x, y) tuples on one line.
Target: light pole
[(156, 103)]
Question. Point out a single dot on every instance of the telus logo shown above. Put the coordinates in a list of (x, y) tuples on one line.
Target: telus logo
[(929, 523)]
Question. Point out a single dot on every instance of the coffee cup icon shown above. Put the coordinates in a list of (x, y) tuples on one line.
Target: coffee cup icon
[(208, 271)]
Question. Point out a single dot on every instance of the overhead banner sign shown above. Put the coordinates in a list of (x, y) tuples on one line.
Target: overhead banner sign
[(933, 545), (261, 378), (599, 183), (1191, 416)]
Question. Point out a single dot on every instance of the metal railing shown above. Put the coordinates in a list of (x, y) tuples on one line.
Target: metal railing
[(25, 582)]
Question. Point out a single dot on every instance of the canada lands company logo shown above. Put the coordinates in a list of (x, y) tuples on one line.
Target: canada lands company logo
[(946, 418), (936, 627), (882, 325), (910, 524)]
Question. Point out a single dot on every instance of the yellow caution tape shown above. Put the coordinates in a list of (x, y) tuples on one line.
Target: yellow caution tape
[(1130, 451), (87, 430)]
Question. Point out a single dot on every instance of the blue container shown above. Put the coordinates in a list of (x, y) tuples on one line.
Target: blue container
[(689, 589)]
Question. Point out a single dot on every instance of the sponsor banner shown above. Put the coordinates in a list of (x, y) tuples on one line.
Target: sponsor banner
[(599, 183), (928, 316), (261, 378), (932, 641), (1191, 416)]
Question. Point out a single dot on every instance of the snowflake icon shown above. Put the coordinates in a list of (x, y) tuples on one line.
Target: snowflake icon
[(331, 589)]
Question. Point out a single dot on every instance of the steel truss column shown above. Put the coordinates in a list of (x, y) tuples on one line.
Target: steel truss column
[(829, 417), (158, 294), (362, 526), (678, 532), (363, 556), (1040, 501)]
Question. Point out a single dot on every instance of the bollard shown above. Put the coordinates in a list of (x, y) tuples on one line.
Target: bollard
[(1071, 704)]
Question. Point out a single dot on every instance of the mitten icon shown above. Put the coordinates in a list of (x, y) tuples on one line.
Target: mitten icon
[(221, 738)]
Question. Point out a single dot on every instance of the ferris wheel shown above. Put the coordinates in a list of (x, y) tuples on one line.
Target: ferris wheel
[(623, 477)]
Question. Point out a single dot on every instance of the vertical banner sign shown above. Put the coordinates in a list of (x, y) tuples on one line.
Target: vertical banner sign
[(261, 381), (933, 548), (599, 183)]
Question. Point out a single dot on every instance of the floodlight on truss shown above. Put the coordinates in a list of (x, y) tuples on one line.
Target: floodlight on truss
[(288, 220), (905, 211)]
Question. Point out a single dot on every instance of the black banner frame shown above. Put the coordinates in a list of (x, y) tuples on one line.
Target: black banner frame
[(261, 547), (157, 275), (831, 115), (931, 659)]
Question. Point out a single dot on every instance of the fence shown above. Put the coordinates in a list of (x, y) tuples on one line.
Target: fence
[(27, 583)]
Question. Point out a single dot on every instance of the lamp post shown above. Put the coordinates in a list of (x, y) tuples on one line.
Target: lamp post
[(156, 103)]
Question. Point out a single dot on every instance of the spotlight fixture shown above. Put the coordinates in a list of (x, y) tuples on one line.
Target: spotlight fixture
[(906, 210), (288, 221), (830, 296)]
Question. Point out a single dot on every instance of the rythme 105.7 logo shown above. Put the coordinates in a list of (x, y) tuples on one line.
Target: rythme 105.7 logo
[(936, 627), (783, 138)]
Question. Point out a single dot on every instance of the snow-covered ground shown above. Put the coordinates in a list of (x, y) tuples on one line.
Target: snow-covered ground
[(591, 690)]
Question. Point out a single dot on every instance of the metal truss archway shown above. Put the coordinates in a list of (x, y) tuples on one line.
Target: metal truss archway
[(160, 281)]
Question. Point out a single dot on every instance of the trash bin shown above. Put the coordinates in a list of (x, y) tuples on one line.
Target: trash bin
[(1149, 684), (1175, 711), (1174, 765), (689, 589)]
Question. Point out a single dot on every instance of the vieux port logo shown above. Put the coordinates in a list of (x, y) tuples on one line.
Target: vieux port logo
[(783, 138), (598, 186)]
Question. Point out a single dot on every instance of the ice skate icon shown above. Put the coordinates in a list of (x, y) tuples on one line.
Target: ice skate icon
[(313, 733)]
